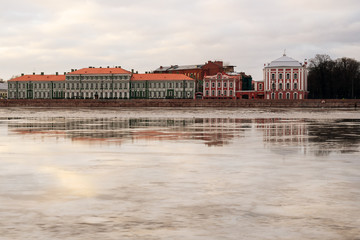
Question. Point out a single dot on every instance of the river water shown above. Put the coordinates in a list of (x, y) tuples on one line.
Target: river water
[(198, 173)]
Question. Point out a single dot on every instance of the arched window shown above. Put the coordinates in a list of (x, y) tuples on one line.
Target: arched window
[(273, 86), (280, 86), (280, 96), (287, 95), (295, 85), (273, 96), (295, 96)]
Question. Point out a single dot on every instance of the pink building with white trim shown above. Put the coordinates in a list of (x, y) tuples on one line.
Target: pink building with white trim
[(285, 78)]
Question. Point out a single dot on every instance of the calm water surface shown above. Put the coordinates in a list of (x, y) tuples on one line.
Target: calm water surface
[(179, 174)]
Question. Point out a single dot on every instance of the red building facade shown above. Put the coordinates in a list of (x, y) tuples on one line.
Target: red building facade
[(197, 72), (221, 86), (285, 78), (232, 86)]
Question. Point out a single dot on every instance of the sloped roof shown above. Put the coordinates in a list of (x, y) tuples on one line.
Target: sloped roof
[(285, 61), (177, 67), (99, 71), (34, 78), (160, 77)]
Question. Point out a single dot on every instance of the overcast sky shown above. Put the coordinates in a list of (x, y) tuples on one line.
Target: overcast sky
[(55, 36)]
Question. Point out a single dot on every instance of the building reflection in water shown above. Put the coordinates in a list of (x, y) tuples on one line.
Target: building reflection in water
[(323, 137), (213, 132)]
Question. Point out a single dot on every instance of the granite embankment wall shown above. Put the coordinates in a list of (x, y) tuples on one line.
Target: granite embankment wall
[(99, 103)]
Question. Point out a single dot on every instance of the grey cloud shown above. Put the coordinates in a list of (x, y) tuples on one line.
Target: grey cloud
[(143, 34)]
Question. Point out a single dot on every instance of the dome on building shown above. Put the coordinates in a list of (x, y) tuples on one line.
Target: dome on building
[(284, 61)]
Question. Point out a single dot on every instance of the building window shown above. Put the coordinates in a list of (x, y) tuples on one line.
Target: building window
[(212, 93), (273, 76), (273, 86), (280, 76), (207, 84), (225, 93), (224, 84), (295, 75), (287, 86), (295, 85), (219, 93), (231, 93), (280, 86), (260, 86), (273, 96), (295, 96), (207, 93), (219, 84), (213, 84), (288, 76), (287, 95), (280, 96), (231, 84)]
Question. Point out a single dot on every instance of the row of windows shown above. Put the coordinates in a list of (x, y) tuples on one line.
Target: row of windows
[(161, 94), (287, 95), (36, 85), (97, 95), (37, 95), (163, 85), (98, 78), (273, 87), (280, 76), (225, 94), (219, 84), (97, 86)]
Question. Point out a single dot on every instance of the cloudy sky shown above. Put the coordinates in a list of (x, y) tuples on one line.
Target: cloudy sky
[(55, 36)]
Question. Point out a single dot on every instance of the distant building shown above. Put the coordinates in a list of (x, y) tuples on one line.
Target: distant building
[(221, 86), (197, 72), (94, 83), (101, 83), (3, 90), (37, 86), (152, 86), (285, 78), (232, 86)]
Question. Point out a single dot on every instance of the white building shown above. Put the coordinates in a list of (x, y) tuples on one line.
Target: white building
[(167, 85), (285, 78), (94, 83), (37, 87)]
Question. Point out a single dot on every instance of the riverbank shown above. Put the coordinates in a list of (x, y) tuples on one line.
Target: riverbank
[(240, 103)]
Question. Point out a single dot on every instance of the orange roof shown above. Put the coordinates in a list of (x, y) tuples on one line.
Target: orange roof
[(26, 78), (159, 77), (95, 71)]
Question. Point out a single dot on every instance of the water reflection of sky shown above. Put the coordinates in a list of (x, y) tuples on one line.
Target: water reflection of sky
[(269, 176)]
